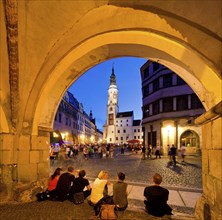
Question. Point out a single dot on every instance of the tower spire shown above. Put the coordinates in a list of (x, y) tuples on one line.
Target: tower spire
[(113, 77), (113, 68)]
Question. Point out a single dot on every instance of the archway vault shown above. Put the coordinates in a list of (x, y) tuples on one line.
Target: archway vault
[(183, 60), (108, 32)]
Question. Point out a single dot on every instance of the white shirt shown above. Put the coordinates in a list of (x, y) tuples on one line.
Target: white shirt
[(97, 190)]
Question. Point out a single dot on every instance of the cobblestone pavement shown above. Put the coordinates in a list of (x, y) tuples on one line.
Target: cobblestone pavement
[(188, 174), (138, 172)]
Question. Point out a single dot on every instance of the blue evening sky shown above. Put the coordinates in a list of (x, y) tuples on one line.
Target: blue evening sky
[(91, 89)]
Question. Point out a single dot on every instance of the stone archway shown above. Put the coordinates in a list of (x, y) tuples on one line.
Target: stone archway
[(175, 35)]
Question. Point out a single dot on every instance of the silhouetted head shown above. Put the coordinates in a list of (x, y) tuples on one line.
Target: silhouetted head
[(157, 179), (82, 173), (70, 169), (121, 176)]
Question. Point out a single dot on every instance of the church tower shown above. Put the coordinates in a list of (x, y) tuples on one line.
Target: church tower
[(112, 110)]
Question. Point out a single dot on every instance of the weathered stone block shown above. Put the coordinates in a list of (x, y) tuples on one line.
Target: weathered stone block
[(40, 143), (205, 161), (24, 143), (23, 157), (216, 134), (27, 172), (34, 156), (6, 157), (215, 158), (6, 141), (218, 190), (207, 135), (43, 170), (45, 156), (209, 189)]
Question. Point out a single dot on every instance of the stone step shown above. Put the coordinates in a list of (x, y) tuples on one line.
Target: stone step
[(179, 212)]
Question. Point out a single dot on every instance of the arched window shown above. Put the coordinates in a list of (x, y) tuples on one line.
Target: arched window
[(189, 139)]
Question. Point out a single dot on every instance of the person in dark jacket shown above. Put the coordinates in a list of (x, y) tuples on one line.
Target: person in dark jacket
[(79, 184), (173, 150), (64, 184), (156, 198)]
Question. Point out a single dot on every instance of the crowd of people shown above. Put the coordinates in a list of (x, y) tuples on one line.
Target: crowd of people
[(149, 152), (64, 152), (89, 150), (64, 185)]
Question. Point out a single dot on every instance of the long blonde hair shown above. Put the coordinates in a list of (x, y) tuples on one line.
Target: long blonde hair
[(102, 174)]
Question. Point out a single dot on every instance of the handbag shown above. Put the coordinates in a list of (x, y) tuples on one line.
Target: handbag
[(78, 198), (108, 212)]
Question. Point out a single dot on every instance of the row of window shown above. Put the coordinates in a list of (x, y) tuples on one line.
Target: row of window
[(74, 124), (167, 82), (181, 103), (122, 138), (124, 131)]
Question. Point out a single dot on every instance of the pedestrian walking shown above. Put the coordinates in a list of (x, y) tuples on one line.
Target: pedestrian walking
[(149, 151), (157, 153), (85, 152), (173, 153), (122, 149), (169, 152), (143, 152), (183, 152), (111, 151)]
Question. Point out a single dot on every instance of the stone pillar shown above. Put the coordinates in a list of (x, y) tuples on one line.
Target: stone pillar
[(24, 160), (209, 205), (7, 166)]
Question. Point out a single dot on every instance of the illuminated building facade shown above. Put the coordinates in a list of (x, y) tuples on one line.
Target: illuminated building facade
[(73, 123), (169, 109), (120, 126)]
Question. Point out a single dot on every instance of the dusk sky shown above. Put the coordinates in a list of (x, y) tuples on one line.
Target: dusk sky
[(91, 89)]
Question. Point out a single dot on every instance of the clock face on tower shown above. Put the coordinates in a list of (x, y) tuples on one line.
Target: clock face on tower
[(114, 96)]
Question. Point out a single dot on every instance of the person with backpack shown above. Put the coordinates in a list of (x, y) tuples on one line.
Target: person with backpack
[(78, 186)]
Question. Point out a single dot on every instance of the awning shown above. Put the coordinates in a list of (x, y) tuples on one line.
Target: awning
[(133, 141), (68, 143)]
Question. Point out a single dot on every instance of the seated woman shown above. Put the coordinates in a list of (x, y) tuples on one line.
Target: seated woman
[(53, 182), (79, 184), (120, 192), (99, 194)]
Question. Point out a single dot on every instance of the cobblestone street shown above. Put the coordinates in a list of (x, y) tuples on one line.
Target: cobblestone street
[(187, 174)]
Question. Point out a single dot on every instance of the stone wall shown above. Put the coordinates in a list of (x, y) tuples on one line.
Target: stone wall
[(24, 166), (209, 206)]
